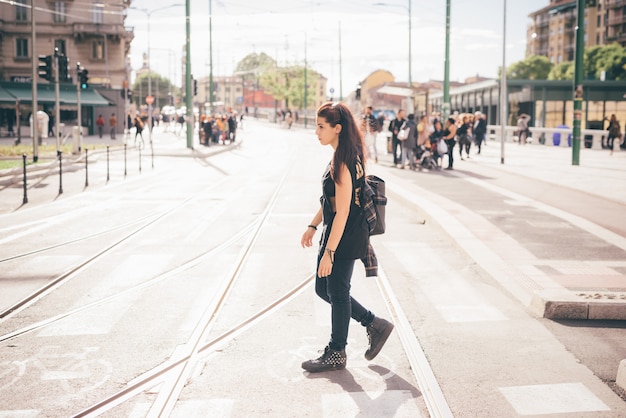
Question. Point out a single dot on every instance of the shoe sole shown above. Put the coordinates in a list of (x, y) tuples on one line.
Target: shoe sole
[(324, 369), (383, 340)]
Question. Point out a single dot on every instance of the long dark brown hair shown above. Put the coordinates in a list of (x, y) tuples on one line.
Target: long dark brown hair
[(350, 139)]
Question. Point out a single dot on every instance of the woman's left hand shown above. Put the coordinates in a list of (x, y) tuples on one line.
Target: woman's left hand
[(325, 266)]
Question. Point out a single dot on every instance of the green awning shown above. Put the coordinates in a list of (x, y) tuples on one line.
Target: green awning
[(5, 96), (46, 94)]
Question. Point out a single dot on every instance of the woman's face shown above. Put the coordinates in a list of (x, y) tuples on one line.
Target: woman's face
[(327, 134)]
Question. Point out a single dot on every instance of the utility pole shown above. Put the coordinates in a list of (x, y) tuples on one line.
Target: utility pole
[(340, 68), (57, 96), (306, 87), (445, 109), (578, 80), (188, 93), (211, 56), (35, 123), (78, 87), (503, 90)]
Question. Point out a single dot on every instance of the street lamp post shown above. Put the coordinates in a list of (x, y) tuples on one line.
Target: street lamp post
[(503, 92)]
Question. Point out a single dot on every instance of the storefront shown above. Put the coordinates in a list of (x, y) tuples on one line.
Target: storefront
[(16, 105), (549, 103)]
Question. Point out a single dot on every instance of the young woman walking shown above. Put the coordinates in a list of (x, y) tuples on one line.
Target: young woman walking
[(344, 237)]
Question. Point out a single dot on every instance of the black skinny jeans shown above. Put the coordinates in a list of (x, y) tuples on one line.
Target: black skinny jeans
[(335, 289)]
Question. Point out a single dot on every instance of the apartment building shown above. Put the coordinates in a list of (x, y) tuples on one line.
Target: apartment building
[(551, 32), (91, 32)]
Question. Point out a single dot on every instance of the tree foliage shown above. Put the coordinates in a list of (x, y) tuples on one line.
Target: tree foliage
[(562, 71), (287, 83), (608, 58), (534, 67), (161, 88), (253, 65)]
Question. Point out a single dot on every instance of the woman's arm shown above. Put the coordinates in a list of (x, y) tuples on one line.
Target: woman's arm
[(307, 236), (343, 199), (452, 133)]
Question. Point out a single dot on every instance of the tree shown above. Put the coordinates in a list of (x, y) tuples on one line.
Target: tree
[(161, 87), (612, 60), (562, 71), (287, 83), (534, 67)]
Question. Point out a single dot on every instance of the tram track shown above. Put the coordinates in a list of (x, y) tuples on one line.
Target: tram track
[(187, 356)]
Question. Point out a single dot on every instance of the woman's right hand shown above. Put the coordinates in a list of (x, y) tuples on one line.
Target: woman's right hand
[(307, 237)]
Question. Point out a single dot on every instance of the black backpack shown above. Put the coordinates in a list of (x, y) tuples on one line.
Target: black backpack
[(375, 202)]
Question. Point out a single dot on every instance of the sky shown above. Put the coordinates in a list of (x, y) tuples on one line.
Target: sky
[(344, 40)]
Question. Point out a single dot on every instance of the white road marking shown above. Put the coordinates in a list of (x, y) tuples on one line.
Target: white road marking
[(552, 399)]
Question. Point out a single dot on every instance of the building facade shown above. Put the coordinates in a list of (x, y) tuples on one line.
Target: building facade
[(91, 33), (551, 32)]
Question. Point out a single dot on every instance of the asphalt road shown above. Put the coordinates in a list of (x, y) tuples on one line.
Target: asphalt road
[(143, 260)]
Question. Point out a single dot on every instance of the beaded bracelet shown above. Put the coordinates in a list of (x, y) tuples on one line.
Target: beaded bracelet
[(331, 254), (312, 226)]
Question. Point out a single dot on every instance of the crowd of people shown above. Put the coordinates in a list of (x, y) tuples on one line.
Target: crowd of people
[(424, 143)]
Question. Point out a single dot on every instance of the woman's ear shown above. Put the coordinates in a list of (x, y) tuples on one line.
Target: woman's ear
[(338, 128)]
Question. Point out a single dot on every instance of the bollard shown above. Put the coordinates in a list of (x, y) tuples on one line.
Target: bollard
[(152, 153), (86, 168), (25, 199), (108, 177), (125, 171), (140, 159), (60, 154)]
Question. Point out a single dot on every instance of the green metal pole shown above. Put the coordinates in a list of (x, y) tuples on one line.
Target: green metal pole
[(445, 109), (188, 92), (578, 81), (211, 55)]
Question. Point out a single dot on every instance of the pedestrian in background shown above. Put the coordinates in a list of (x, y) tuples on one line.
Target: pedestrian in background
[(435, 137), (615, 131), (113, 125), (344, 238), (100, 125), (479, 130), (464, 137), (409, 144), (369, 127), (522, 128), (139, 129), (449, 135), (394, 127)]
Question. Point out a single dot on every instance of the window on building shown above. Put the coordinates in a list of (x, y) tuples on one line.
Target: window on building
[(552, 59), (96, 11), (97, 49), (21, 48), (21, 12), (60, 45), (599, 22), (559, 59), (59, 11)]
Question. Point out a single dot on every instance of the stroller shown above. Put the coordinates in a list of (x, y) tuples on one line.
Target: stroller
[(425, 156)]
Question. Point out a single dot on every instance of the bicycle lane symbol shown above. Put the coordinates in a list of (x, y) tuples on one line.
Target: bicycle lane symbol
[(75, 372)]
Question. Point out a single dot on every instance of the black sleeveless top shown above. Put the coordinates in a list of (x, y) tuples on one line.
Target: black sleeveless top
[(355, 238)]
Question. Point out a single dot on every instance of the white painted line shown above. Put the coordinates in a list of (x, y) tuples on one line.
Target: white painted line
[(428, 385), (390, 403), (553, 399)]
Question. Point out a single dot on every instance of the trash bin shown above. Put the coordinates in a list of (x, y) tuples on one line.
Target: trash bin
[(556, 137)]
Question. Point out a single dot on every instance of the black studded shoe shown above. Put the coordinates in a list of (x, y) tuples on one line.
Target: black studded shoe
[(377, 333), (329, 361)]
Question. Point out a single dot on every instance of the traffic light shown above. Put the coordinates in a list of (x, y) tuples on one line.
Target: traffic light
[(83, 78), (195, 87), (123, 92), (129, 94), (64, 63), (358, 93), (45, 67)]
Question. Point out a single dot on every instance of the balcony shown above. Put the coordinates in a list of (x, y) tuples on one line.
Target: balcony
[(614, 4), (617, 20), (91, 29)]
